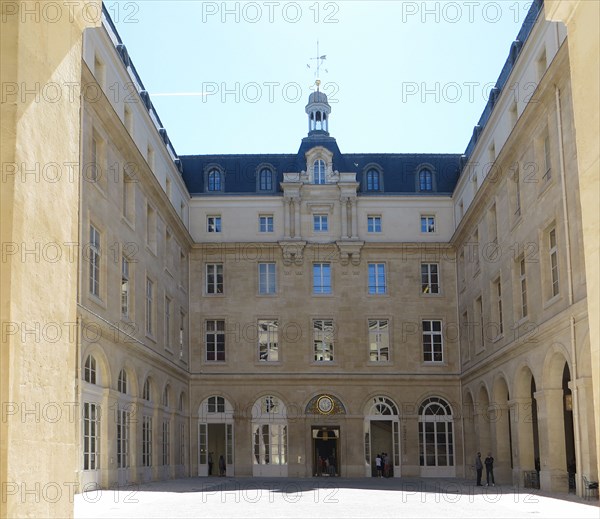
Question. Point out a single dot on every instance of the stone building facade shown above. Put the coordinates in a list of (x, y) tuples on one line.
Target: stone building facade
[(300, 313)]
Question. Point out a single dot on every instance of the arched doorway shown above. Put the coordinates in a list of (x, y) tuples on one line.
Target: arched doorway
[(570, 457), (269, 437), (436, 438), (215, 436), (382, 435)]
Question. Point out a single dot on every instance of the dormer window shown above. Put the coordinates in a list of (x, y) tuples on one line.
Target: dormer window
[(265, 176), (425, 180), (372, 178), (265, 180), (319, 172), (214, 180), (373, 183)]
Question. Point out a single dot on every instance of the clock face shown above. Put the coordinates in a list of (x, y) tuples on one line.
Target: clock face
[(325, 404)]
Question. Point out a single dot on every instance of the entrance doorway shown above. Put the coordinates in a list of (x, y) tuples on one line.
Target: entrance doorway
[(326, 452), (215, 436)]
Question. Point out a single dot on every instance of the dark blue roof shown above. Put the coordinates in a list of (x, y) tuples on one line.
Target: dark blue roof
[(515, 49), (399, 169)]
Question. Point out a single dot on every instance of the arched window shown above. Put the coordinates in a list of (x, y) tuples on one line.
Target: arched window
[(215, 404), (214, 180), (269, 434), (319, 172), (165, 399), (373, 180), (89, 370), (265, 180), (425, 180), (146, 390), (383, 406), (436, 433), (122, 382)]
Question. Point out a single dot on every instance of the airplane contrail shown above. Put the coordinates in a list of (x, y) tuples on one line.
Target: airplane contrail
[(180, 94)]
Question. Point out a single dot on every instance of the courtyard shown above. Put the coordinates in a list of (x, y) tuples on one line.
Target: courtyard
[(330, 497)]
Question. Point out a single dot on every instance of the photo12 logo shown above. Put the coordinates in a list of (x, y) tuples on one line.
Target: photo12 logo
[(269, 12)]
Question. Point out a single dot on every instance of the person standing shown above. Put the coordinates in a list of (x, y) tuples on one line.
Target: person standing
[(386, 465), (222, 465), (489, 470), (210, 463), (478, 468), (378, 462)]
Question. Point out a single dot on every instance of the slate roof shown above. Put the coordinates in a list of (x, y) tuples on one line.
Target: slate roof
[(399, 169)]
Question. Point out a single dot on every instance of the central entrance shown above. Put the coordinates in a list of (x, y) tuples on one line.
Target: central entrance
[(325, 449)]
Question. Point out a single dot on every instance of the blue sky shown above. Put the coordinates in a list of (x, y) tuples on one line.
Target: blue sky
[(402, 76)]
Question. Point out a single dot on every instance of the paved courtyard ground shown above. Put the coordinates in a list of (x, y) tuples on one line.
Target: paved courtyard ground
[(325, 497)]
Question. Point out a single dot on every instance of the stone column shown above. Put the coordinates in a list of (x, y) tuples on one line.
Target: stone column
[(297, 229), (553, 470), (344, 210), (522, 436), (286, 218), (500, 416), (354, 205)]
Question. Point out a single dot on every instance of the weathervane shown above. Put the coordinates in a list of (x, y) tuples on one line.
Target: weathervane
[(319, 61)]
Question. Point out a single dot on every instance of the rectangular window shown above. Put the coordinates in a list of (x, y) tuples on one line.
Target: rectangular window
[(150, 157), (427, 224), (128, 120), (94, 173), (432, 341), (99, 72), (553, 256), (124, 286), (265, 223), (461, 269), (323, 340), (213, 224), (182, 444), (374, 223), (268, 340), (151, 227), (493, 227), (181, 333), (513, 114), (166, 443), (128, 198), (149, 306), (322, 278), (547, 160), (475, 251), (523, 287), (214, 278), (465, 336), (91, 436), (267, 281), (168, 305), (377, 281), (379, 340), (479, 312), (499, 314), (94, 255), (168, 188), (320, 222), (517, 181), (123, 429), (430, 279), (215, 340), (146, 441)]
